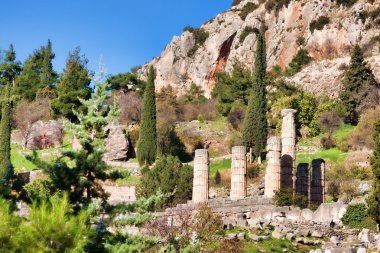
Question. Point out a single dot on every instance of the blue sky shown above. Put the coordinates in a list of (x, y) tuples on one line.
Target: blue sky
[(125, 33)]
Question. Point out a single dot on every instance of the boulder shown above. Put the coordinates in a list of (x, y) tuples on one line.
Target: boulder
[(364, 236), (316, 234), (45, 135), (329, 212), (117, 143)]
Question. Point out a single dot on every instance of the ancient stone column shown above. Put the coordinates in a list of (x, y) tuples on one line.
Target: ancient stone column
[(272, 173), (288, 148), (238, 173), (302, 181), (200, 181), (317, 182)]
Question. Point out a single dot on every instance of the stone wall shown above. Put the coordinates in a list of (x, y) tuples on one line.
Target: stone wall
[(120, 194)]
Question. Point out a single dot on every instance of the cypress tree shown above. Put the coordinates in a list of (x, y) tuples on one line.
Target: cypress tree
[(147, 143), (255, 121), (374, 200), (357, 76), (6, 170)]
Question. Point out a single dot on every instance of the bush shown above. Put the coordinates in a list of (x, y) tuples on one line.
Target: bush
[(130, 107), (200, 36), (191, 111), (355, 215), (284, 197), (236, 2), (319, 24), (253, 171), (247, 9), (301, 59), (168, 143), (327, 142)]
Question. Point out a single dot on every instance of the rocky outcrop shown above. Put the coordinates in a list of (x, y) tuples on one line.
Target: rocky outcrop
[(329, 46), (117, 143), (45, 135)]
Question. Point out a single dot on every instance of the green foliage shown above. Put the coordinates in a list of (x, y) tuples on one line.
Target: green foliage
[(276, 4), (9, 67), (8, 228), (147, 143), (73, 86), (52, 228), (358, 86), (200, 36), (300, 60), (255, 122), (218, 178), (374, 200), (118, 242), (170, 176), (170, 144), (233, 89), (319, 24), (224, 164), (6, 169), (284, 197), (195, 94), (355, 215), (126, 82), (247, 9), (37, 73)]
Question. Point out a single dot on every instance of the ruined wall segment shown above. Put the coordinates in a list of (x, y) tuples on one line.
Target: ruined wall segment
[(200, 181), (273, 170), (238, 173)]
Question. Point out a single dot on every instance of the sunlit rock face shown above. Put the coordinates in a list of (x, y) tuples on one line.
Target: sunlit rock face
[(330, 47)]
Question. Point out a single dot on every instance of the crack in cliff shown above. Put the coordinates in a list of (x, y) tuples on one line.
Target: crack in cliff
[(220, 62)]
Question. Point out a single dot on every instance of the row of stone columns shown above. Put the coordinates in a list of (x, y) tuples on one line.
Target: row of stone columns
[(281, 173), (238, 174)]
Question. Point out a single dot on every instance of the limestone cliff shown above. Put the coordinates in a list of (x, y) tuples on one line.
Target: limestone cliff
[(330, 46)]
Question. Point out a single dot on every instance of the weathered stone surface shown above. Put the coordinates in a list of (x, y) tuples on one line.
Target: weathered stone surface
[(238, 173), (117, 143), (302, 179), (45, 135), (288, 148), (273, 170), (285, 26), (200, 181), (120, 194), (329, 212)]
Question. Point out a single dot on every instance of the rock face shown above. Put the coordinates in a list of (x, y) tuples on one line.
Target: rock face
[(45, 135), (117, 143), (329, 47)]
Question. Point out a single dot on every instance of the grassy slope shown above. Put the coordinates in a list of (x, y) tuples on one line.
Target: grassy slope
[(220, 165)]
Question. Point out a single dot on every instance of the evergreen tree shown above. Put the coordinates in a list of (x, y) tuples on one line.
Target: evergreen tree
[(37, 74), (147, 143), (6, 169), (358, 77), (255, 121), (74, 84), (9, 68), (374, 200)]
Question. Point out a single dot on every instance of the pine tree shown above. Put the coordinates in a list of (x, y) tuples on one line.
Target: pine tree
[(255, 121), (6, 169), (74, 84), (147, 143), (37, 74), (374, 200), (357, 76)]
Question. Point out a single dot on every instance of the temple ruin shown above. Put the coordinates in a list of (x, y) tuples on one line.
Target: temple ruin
[(238, 173), (272, 175), (200, 181), (317, 182)]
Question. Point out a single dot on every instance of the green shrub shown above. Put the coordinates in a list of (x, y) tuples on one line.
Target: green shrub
[(200, 36), (253, 171), (319, 24), (284, 197), (247, 9), (301, 59), (355, 215), (218, 178)]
